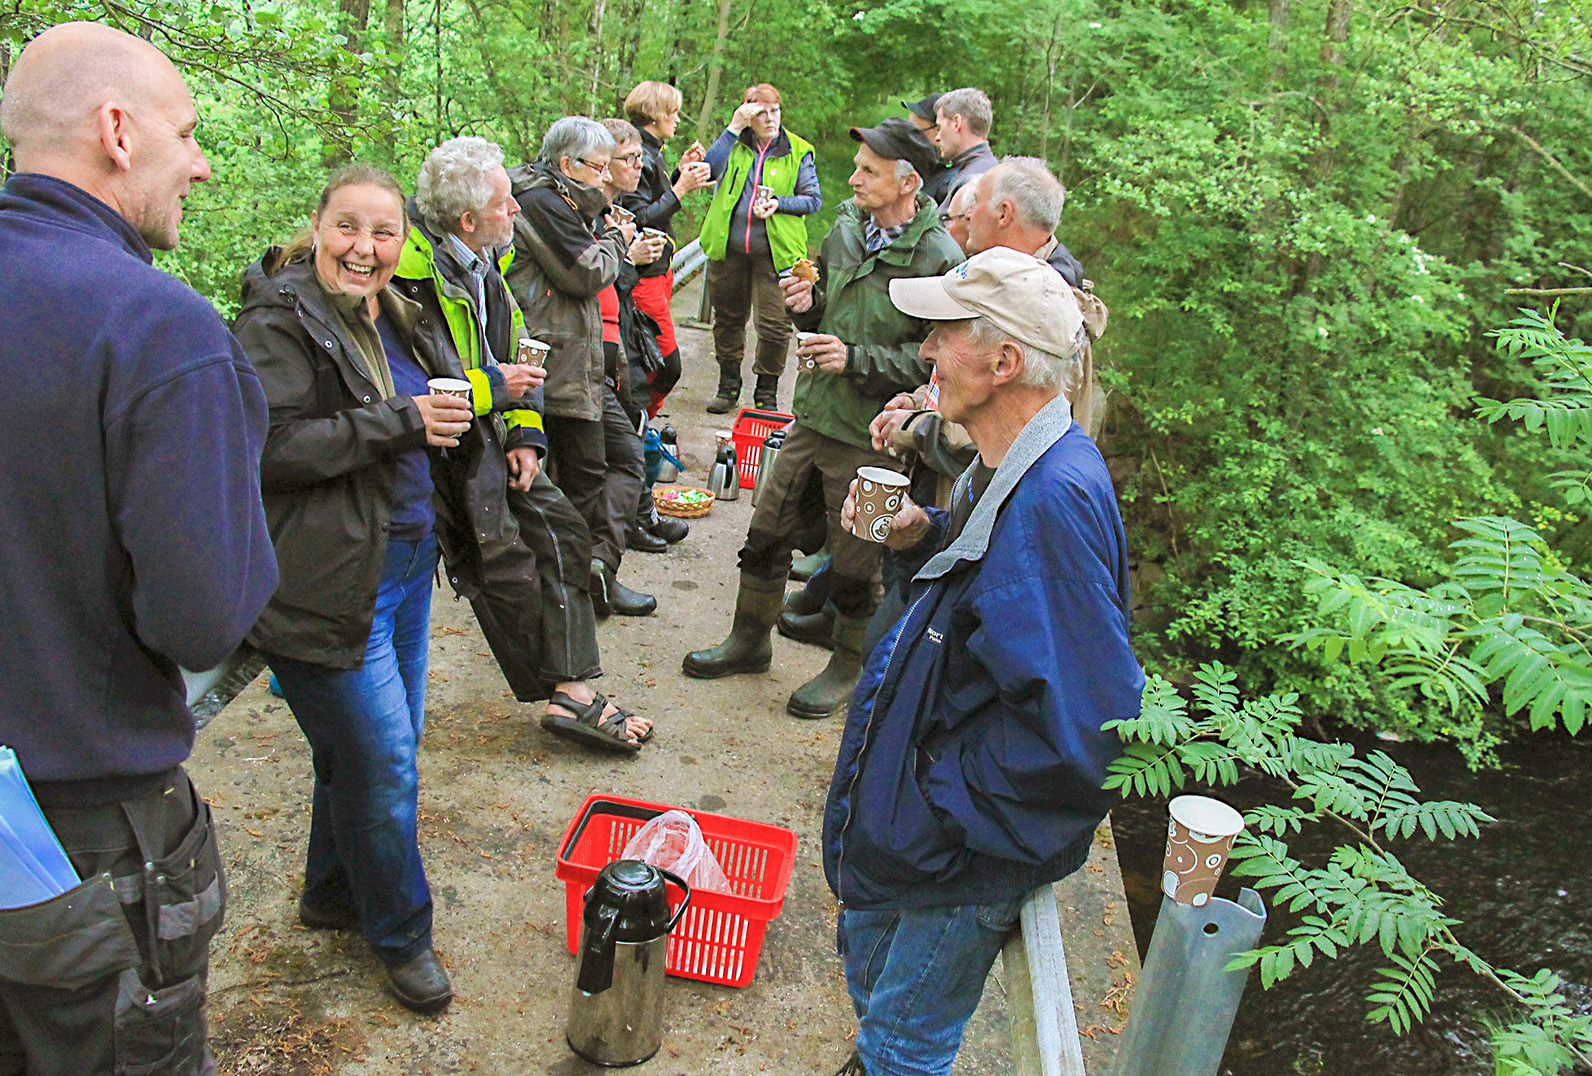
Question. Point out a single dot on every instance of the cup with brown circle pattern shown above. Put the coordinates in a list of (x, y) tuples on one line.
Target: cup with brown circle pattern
[(1198, 840), (879, 495)]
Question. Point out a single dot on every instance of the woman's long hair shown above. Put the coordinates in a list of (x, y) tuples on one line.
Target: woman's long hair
[(357, 174)]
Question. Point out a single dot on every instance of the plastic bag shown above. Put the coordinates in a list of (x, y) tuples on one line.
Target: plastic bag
[(673, 841)]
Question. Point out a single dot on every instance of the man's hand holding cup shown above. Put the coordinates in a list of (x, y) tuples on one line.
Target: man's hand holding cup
[(822, 351), (908, 526)]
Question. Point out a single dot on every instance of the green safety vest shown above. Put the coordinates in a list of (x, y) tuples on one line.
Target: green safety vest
[(787, 232)]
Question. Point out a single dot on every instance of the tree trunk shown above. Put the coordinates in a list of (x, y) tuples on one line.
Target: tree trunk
[(343, 98), (629, 47), (1339, 13), (1279, 40), (710, 96), (5, 73), (682, 19), (393, 26), (599, 8)]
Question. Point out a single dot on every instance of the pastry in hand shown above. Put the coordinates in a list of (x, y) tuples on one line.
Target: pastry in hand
[(805, 270)]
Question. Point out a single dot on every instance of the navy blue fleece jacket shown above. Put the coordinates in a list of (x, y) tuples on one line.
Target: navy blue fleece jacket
[(130, 522)]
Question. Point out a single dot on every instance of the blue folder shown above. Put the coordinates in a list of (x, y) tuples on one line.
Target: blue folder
[(33, 865)]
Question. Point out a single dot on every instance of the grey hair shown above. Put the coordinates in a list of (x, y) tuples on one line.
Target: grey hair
[(972, 104), (1027, 183), (456, 179), (1041, 369), (575, 137), (903, 169)]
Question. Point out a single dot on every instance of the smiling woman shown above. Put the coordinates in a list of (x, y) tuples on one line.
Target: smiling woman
[(347, 488)]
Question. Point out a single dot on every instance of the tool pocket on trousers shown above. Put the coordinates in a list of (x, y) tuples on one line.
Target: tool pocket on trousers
[(70, 940), (185, 894), (160, 1031)]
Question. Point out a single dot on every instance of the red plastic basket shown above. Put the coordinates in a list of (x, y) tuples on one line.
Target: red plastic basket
[(719, 938), (751, 426)]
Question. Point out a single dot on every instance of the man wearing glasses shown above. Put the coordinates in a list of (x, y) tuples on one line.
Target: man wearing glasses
[(566, 251)]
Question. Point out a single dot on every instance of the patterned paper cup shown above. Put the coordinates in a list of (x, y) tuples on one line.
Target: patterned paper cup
[(1198, 840), (801, 342), (449, 386), (878, 499), (533, 353)]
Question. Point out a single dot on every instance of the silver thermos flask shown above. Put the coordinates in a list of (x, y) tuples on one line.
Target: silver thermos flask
[(765, 462), (616, 1008), (725, 479)]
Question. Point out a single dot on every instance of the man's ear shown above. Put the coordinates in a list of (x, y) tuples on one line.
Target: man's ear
[(114, 127), (467, 222), (1008, 363)]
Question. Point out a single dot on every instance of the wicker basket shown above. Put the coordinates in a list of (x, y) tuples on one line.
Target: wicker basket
[(681, 511)]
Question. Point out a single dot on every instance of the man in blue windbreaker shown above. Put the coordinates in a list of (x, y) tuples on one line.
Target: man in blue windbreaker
[(971, 765)]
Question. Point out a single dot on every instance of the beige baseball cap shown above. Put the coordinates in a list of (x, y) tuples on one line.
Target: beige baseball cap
[(1022, 295)]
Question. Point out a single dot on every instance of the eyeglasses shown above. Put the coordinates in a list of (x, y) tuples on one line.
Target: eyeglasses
[(947, 218), (600, 168), (631, 159)]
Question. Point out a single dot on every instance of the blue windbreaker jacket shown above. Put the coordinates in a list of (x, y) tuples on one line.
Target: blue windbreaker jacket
[(971, 765)]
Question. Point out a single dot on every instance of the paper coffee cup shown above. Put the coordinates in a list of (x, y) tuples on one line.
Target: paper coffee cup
[(621, 214), (722, 438), (878, 499), (765, 194), (801, 342), (1197, 842), (450, 386), (533, 353)]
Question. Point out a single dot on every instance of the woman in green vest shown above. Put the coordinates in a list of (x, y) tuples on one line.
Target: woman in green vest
[(750, 239)]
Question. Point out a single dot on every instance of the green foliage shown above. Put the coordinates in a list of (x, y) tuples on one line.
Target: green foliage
[(1362, 894), (1511, 623)]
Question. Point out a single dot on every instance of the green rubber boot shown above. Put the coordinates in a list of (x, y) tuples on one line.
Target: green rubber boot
[(748, 648), (827, 693)]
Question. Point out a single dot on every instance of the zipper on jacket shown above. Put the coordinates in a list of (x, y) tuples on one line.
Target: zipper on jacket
[(757, 181), (856, 770)]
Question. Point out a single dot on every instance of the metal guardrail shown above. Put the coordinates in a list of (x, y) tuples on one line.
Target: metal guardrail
[(688, 261)]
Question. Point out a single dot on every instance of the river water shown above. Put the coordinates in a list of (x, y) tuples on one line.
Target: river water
[(1523, 891)]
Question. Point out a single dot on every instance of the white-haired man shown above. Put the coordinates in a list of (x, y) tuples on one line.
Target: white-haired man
[(862, 351), (971, 765), (964, 117), (513, 543)]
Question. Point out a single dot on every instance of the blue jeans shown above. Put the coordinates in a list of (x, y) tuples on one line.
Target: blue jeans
[(364, 727), (915, 977)]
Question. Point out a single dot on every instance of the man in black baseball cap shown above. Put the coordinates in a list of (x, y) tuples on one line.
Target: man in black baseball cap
[(922, 115), (857, 351)]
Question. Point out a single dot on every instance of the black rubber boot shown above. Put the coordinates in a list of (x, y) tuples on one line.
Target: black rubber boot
[(827, 693), (729, 390), (765, 394), (818, 628), (748, 649), (668, 528), (609, 595)]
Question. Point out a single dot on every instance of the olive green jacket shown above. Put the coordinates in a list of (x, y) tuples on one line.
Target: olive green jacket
[(852, 301)]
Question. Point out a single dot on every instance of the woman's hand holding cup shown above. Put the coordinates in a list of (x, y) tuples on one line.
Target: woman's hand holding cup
[(446, 417)]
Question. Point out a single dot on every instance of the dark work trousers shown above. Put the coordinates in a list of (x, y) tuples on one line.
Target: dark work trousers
[(601, 469), (110, 976), (778, 520), (528, 588), (738, 285)]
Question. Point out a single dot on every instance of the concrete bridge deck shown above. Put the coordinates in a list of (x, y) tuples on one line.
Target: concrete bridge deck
[(497, 793)]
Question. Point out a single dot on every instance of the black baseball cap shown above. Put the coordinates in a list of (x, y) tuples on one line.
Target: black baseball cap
[(897, 140), (924, 109)]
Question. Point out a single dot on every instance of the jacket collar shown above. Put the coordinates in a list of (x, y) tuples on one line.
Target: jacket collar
[(780, 147), (588, 201), (899, 252), (1036, 438), (971, 154), (68, 202)]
